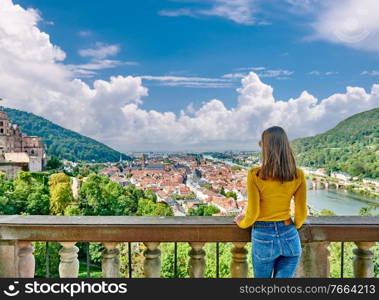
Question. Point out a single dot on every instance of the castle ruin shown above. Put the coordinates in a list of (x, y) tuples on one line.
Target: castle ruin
[(19, 151)]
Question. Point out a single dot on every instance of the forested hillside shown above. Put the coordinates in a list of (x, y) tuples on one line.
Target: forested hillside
[(62, 142), (352, 146)]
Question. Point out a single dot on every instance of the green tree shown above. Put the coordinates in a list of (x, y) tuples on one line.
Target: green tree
[(231, 194), (85, 171), (30, 194), (60, 193), (147, 207), (54, 163), (203, 210), (38, 203), (7, 205), (101, 196), (222, 191)]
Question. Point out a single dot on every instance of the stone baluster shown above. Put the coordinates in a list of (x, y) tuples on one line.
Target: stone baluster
[(239, 267), (314, 260), (69, 263), (111, 261), (363, 265), (26, 261), (152, 263), (8, 259), (196, 263)]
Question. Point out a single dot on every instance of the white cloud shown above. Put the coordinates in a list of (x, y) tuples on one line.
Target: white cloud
[(352, 23), (180, 78), (330, 73), (234, 75), (84, 33), (33, 77), (371, 73), (100, 51), (262, 72), (176, 13), (89, 69), (238, 11), (314, 72), (98, 59), (226, 80), (213, 126), (250, 69), (304, 5), (188, 81), (318, 73), (275, 73), (99, 64), (301, 2)]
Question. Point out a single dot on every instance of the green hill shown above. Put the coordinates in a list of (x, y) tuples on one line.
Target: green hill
[(62, 142), (352, 146)]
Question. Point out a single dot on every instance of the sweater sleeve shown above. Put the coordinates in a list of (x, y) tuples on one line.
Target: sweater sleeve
[(253, 200), (300, 198)]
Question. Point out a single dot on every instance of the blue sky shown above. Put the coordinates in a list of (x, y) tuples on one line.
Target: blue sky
[(177, 64), (203, 46)]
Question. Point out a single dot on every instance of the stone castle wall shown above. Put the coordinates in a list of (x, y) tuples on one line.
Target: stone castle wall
[(12, 140)]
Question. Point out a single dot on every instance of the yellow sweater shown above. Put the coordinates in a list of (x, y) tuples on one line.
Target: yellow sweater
[(270, 200)]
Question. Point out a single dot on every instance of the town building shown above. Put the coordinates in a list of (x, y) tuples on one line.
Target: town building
[(340, 175), (371, 181)]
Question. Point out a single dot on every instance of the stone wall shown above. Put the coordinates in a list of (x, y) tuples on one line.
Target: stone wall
[(10, 169)]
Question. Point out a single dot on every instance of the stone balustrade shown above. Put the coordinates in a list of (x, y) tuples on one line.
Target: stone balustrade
[(18, 232)]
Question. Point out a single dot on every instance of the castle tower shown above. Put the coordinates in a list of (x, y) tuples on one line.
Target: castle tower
[(4, 123), (4, 132)]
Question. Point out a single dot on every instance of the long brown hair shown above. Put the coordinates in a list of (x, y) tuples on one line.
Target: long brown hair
[(278, 161)]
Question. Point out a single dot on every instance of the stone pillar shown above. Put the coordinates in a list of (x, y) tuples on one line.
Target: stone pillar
[(314, 260), (69, 264), (239, 267), (363, 265), (26, 262), (111, 261), (314, 185), (196, 263), (152, 263), (8, 259)]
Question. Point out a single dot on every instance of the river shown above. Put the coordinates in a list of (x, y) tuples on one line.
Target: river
[(341, 202)]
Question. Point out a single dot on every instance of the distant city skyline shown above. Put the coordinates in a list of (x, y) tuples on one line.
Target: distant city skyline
[(186, 74)]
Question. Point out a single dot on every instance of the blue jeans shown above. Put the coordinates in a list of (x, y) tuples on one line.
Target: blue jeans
[(276, 249)]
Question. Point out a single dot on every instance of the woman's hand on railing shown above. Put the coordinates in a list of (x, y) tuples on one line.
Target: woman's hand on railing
[(239, 218)]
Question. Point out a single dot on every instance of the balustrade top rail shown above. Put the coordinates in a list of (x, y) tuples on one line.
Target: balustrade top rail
[(173, 229)]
